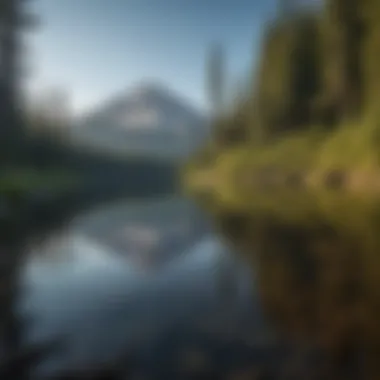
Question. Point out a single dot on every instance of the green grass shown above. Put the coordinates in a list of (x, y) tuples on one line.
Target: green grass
[(24, 179), (289, 153), (351, 148)]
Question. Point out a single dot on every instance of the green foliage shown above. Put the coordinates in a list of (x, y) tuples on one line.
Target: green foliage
[(288, 77), (215, 78), (25, 179), (314, 100)]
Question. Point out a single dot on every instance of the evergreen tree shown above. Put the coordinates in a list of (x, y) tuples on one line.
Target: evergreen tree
[(215, 78), (12, 245), (13, 20)]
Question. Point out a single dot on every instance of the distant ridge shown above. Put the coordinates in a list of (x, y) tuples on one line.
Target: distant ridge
[(149, 119), (144, 88)]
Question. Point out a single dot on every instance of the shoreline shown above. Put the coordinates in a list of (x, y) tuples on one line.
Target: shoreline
[(233, 183)]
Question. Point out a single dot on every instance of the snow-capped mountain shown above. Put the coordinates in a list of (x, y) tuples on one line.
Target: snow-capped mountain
[(149, 120)]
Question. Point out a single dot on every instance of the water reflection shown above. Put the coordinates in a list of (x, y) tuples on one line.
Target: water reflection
[(285, 287), (195, 308), (317, 262)]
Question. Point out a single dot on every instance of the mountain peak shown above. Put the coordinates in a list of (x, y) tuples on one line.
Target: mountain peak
[(149, 88), (157, 93), (149, 117)]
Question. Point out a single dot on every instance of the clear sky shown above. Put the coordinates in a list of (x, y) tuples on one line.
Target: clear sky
[(96, 48)]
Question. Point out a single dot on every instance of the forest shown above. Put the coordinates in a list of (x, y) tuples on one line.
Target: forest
[(310, 114)]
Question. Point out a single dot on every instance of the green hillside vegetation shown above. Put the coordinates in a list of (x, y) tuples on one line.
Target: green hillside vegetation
[(312, 106)]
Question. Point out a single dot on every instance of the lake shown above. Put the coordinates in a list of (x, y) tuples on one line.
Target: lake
[(152, 278), (285, 286)]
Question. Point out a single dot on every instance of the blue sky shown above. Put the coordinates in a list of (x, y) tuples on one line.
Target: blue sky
[(96, 48)]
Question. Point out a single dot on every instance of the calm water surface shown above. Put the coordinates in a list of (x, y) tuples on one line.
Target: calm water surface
[(150, 278), (287, 285)]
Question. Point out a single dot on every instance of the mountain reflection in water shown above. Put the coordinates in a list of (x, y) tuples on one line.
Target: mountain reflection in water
[(286, 287), (199, 301)]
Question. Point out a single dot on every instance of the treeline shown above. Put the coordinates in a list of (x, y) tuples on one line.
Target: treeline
[(319, 69), (48, 153)]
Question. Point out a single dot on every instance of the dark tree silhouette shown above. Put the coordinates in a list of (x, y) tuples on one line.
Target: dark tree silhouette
[(215, 78), (13, 20)]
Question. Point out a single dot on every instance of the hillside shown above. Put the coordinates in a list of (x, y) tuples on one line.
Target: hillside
[(310, 115), (148, 120)]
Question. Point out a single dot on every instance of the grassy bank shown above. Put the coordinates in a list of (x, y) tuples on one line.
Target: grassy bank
[(309, 117), (346, 159)]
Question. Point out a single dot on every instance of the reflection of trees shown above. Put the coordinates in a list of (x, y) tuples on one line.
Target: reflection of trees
[(319, 279), (12, 19), (11, 255)]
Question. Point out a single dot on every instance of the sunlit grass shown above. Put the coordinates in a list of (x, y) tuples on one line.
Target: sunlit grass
[(351, 149), (353, 146)]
